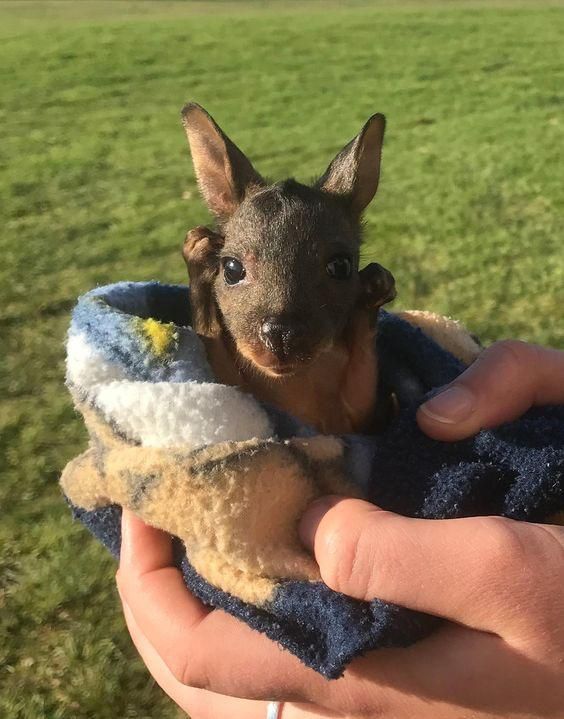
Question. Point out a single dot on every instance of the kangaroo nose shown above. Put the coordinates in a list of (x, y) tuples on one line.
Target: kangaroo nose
[(279, 335)]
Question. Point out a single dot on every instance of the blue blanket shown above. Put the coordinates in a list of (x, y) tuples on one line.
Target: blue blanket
[(165, 437)]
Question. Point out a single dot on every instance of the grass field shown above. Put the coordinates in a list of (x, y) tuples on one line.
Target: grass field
[(96, 186)]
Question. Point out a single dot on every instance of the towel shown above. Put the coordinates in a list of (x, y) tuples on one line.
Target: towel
[(230, 476)]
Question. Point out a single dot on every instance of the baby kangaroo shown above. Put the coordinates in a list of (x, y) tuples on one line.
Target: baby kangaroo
[(276, 292)]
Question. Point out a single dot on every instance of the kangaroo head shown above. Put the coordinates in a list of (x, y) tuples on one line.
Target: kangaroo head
[(283, 262)]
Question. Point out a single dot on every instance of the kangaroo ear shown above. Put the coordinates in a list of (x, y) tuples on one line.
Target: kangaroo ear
[(223, 172), (355, 171)]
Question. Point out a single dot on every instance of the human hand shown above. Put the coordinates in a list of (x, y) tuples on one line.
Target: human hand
[(502, 383), (196, 654), (504, 657)]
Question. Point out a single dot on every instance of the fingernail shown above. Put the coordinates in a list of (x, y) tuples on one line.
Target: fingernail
[(455, 404), (312, 517)]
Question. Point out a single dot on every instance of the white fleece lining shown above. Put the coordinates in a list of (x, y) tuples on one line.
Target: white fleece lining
[(163, 414), (86, 366), (192, 414)]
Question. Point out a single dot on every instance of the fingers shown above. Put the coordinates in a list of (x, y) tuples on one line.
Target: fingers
[(153, 588), (481, 572), (198, 703), (201, 648), (504, 382), (143, 548)]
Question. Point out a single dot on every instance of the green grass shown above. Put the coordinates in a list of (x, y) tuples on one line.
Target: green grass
[(97, 186)]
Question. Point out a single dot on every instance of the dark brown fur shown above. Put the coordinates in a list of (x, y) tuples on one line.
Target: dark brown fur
[(288, 331)]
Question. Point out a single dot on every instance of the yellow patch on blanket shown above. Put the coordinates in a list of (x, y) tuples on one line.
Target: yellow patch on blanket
[(160, 336)]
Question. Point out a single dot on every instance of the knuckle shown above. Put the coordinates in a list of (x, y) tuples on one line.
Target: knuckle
[(520, 572), (371, 708), (546, 551), (359, 700), (354, 566), (512, 354), (336, 551), (509, 369), (515, 348), (349, 575), (543, 603), (187, 672), (508, 552), (179, 670)]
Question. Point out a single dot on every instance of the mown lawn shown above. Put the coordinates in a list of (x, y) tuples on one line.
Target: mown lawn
[(96, 186)]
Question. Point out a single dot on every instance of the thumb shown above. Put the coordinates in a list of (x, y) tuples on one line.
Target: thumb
[(471, 571), (505, 380)]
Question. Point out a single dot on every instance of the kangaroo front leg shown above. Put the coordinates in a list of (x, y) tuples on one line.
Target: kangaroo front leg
[(201, 254)]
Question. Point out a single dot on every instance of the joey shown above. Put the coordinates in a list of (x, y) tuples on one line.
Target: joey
[(277, 295)]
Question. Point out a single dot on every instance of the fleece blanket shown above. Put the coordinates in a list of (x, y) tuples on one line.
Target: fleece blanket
[(230, 477)]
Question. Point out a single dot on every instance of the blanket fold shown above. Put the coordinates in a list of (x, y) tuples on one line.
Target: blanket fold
[(230, 477)]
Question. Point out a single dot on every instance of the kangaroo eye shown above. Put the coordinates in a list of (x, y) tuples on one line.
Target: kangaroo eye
[(233, 271), (339, 267)]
